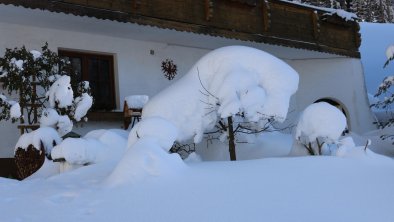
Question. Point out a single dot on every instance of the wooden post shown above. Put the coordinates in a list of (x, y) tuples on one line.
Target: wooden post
[(316, 25), (266, 16), (231, 139), (208, 9)]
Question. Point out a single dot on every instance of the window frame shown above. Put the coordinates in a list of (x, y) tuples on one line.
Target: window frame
[(85, 56)]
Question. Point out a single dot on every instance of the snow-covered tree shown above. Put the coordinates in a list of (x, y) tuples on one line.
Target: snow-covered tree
[(384, 95), (367, 10), (224, 84), (319, 124), (42, 82)]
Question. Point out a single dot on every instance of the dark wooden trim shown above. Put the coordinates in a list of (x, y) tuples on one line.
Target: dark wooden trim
[(252, 23), (105, 116)]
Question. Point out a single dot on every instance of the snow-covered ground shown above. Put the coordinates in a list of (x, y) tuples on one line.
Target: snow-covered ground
[(270, 189)]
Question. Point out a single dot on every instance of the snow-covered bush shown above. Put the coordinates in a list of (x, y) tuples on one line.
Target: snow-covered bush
[(227, 82), (385, 97), (31, 149), (320, 124), (37, 77)]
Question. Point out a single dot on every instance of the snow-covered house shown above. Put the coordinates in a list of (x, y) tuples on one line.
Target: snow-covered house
[(119, 46)]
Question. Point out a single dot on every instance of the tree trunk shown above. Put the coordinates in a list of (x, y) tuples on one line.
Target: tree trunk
[(231, 142)]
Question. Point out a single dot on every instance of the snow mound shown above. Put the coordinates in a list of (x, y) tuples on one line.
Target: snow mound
[(155, 127), (136, 101), (96, 147), (320, 120), (45, 135), (222, 83), (144, 161)]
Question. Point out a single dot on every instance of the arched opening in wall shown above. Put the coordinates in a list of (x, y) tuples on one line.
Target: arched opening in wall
[(341, 107)]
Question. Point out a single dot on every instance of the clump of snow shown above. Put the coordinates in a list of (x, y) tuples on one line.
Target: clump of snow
[(224, 82), (390, 52), (320, 120), (17, 63), (49, 117), (155, 127), (2, 72), (142, 161), (36, 54), (46, 136), (96, 147), (136, 101), (60, 93), (64, 125), (84, 102), (15, 110), (348, 16)]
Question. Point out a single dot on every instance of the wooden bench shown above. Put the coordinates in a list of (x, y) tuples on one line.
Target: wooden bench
[(130, 115)]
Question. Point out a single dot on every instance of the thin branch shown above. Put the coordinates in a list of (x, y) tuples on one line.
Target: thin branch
[(202, 85)]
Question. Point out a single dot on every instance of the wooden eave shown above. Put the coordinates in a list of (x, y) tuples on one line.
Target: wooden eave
[(264, 21)]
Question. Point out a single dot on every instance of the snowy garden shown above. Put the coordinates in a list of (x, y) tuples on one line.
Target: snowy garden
[(228, 105)]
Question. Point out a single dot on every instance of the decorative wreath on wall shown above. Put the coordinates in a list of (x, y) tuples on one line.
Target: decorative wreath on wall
[(169, 69)]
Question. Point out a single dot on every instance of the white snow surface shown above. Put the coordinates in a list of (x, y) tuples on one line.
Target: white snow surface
[(84, 102), (321, 189), (162, 130), (320, 120), (61, 92), (45, 135), (97, 146), (136, 101), (224, 82)]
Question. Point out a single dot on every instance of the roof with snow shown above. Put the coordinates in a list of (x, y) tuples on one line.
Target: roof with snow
[(266, 21)]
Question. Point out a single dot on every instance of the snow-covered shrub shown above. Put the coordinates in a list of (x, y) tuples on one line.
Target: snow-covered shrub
[(385, 96), (31, 149), (320, 125), (227, 82), (36, 77), (97, 146)]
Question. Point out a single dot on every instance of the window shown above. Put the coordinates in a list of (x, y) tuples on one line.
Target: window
[(99, 71)]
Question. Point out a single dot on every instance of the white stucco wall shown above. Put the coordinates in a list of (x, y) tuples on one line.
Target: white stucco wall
[(339, 79)]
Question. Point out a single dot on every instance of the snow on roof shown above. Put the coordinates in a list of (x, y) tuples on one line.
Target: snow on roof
[(348, 16)]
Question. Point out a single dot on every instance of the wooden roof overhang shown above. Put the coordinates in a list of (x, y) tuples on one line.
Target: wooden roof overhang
[(264, 21)]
